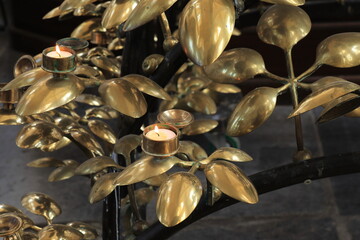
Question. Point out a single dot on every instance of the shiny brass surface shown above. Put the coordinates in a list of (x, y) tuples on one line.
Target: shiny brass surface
[(151, 63), (231, 181), (87, 141), (11, 118), (89, 99), (86, 71), (83, 31), (176, 117), (160, 148), (102, 187), (87, 230), (46, 162), (229, 154), (148, 86), (9, 96), (283, 26), (166, 105), (49, 94), (127, 144), (27, 78), (144, 168), (97, 113), (5, 208), (145, 11), (200, 126), (66, 124), (193, 150), (223, 88), (252, 111), (56, 145), (201, 102), (324, 82), (58, 65), (286, 2), (107, 64), (60, 232), (99, 51), (41, 204), (24, 64), (143, 197), (29, 236), (339, 107), (339, 50), (55, 12), (73, 4), (324, 95), (117, 12), (99, 37), (178, 197), (102, 130), (96, 164), (123, 97), (235, 66), (157, 180), (76, 44), (62, 173), (205, 29), (37, 134), (116, 44), (9, 224)]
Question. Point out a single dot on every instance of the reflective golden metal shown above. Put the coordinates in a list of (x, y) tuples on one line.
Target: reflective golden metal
[(41, 204), (99, 51), (151, 63), (55, 12), (66, 123), (56, 145), (157, 180), (83, 31), (37, 134), (205, 29), (324, 95), (24, 64), (9, 117), (49, 94), (96, 164), (166, 105), (10, 224), (97, 113), (324, 82), (223, 88), (46, 162), (236, 65), (99, 37), (87, 140), (127, 144), (192, 150), (102, 187), (178, 197), (72, 4), (87, 230), (42, 117), (85, 71), (5, 208), (102, 130), (160, 148), (60, 232), (201, 102), (283, 26), (200, 126), (27, 78), (144, 168), (143, 197), (117, 12), (116, 44), (252, 111), (146, 11), (286, 2), (62, 173), (148, 86), (123, 97), (231, 181), (229, 154), (339, 107), (58, 65), (89, 99), (29, 236), (107, 64), (176, 117)]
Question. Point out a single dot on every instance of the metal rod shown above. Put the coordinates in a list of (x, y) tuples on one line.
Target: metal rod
[(131, 192), (275, 77), (267, 181), (165, 27), (294, 97)]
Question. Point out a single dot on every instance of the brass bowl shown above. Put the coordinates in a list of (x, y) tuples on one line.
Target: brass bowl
[(23, 64), (176, 117)]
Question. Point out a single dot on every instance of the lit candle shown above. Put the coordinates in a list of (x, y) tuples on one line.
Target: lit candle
[(160, 134), (58, 53)]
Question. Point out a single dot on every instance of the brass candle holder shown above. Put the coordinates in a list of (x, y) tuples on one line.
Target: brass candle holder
[(10, 225), (58, 64), (160, 147), (99, 38), (176, 117), (80, 46)]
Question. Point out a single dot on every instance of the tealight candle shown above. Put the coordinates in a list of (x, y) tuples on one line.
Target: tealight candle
[(58, 53), (160, 134)]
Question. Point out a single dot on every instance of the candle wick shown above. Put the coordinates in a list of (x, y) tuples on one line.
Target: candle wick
[(157, 134), (58, 54)]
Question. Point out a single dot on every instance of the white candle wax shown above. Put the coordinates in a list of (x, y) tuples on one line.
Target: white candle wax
[(55, 54), (160, 135)]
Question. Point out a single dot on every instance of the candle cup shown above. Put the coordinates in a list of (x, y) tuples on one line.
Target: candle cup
[(10, 96), (58, 65), (24, 64), (80, 46), (99, 38), (160, 148), (176, 117)]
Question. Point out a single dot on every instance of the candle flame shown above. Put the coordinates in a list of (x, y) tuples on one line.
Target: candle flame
[(58, 50), (156, 129)]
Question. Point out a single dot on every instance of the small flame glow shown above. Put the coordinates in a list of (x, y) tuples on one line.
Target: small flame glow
[(156, 129), (58, 50)]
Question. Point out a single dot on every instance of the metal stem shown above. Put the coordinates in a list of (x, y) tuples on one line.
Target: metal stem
[(165, 27), (131, 192), (308, 72), (294, 96), (275, 77)]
